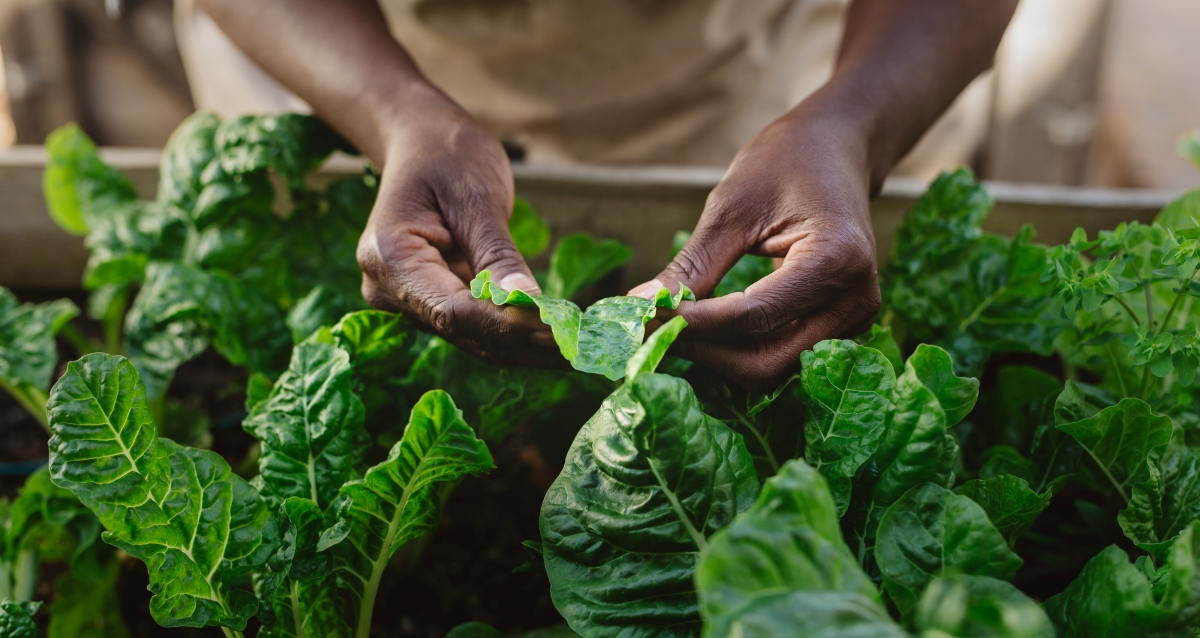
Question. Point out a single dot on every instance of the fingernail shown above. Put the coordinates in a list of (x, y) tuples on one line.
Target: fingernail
[(647, 290), (518, 281)]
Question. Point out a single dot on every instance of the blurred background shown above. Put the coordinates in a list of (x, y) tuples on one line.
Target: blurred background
[(1084, 92)]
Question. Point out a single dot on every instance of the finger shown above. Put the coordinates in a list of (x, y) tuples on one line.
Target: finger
[(709, 253), (817, 272), (404, 272), (480, 227)]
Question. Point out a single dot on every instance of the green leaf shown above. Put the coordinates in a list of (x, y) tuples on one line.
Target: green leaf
[(978, 606), (1189, 147), (916, 448), (784, 555), (475, 630), (1009, 503), (946, 219), (77, 182), (322, 306), (398, 500), (378, 342), (86, 609), (1182, 213), (300, 598), (988, 297), (310, 428), (881, 339), (198, 527), (648, 479), (772, 424), (1124, 442), (579, 262), (1112, 598), (650, 353), (28, 353), (848, 390), (53, 523), (529, 232), (929, 532), (291, 144), (601, 339), (16, 619), (1162, 509), (187, 153)]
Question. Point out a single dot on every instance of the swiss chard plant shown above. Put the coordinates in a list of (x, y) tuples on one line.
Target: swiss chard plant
[(28, 353)]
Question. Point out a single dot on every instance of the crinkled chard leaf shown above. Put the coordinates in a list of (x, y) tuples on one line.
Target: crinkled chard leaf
[(299, 595), (882, 339), (198, 527), (579, 262), (1112, 598), (931, 531), (771, 425), (972, 294), (969, 606), (77, 181), (782, 569), (648, 479), (28, 353), (1009, 502), (600, 339), (530, 234), (1125, 444), (16, 619), (848, 392), (1162, 509), (54, 524), (398, 499), (378, 342), (310, 428), (917, 446)]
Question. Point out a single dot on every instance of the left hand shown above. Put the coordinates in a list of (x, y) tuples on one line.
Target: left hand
[(798, 192)]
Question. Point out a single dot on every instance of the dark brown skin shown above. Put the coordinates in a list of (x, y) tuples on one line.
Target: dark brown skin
[(799, 191)]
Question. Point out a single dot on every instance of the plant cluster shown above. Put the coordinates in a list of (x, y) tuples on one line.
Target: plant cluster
[(883, 490)]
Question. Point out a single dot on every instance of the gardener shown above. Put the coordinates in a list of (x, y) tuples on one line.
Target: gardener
[(686, 81)]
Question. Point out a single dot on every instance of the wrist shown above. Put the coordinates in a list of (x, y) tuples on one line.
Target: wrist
[(404, 111), (857, 119)]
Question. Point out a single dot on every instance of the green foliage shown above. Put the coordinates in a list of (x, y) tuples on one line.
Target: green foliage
[(649, 478), (198, 527), (848, 395), (1112, 598), (579, 262), (16, 619), (28, 353), (216, 262), (599, 340), (529, 232), (930, 532), (396, 501), (970, 293)]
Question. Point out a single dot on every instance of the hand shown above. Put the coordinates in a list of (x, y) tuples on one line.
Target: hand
[(799, 192), (445, 196)]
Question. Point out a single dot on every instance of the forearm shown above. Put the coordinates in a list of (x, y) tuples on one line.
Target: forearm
[(337, 56), (902, 63)]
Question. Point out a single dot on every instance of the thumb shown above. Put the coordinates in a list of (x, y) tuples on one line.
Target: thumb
[(699, 265), (488, 245)]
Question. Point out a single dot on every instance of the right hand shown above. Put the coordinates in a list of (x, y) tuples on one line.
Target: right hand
[(445, 196)]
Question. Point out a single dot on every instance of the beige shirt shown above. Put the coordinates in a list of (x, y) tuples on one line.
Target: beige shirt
[(650, 81)]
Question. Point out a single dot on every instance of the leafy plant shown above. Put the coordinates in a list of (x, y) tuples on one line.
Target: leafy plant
[(28, 353)]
